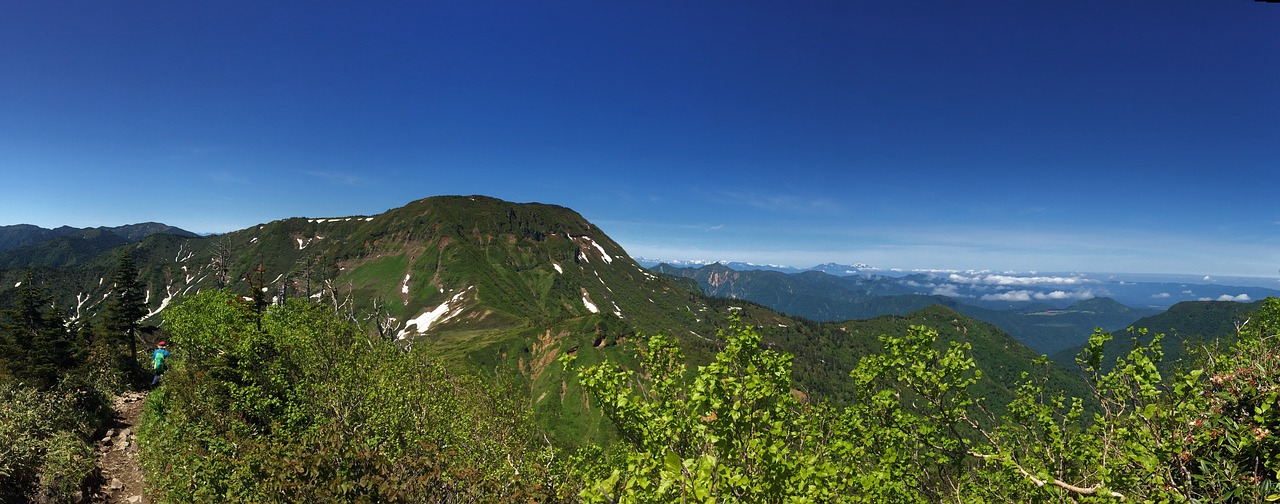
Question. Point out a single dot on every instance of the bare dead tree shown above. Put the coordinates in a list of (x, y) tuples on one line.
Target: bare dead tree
[(223, 254)]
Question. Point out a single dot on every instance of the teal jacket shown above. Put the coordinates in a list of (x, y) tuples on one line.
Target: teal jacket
[(157, 358)]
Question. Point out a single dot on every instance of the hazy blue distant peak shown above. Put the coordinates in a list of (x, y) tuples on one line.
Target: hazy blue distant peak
[(674, 262), (830, 268), (843, 269)]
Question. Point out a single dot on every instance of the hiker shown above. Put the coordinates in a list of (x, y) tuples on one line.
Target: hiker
[(157, 362)]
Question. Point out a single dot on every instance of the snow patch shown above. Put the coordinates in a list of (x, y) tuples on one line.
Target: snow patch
[(81, 299), (603, 254), (441, 313), (337, 219), (586, 301), (404, 287), (163, 302), (557, 267), (19, 284)]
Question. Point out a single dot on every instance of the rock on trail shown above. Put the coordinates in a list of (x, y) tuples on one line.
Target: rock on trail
[(118, 453)]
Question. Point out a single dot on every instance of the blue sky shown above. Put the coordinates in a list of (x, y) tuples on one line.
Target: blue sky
[(1135, 136)]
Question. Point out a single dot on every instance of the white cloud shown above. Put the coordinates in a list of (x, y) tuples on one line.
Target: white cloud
[(1161, 295), (1188, 292), (1020, 295), (1227, 297), (1017, 280), (949, 290), (1026, 295), (1208, 278), (1080, 294)]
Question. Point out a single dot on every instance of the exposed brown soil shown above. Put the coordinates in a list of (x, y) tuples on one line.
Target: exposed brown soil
[(117, 453)]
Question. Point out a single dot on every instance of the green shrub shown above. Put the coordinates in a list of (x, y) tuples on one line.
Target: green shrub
[(731, 432), (308, 408), (45, 450), (68, 462)]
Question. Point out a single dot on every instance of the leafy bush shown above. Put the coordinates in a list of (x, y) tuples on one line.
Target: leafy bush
[(733, 432), (68, 462), (310, 409), (45, 452)]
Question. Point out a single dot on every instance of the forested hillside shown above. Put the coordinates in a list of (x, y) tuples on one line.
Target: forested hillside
[(1188, 327)]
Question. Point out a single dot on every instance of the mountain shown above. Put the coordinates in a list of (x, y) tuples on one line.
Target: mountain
[(1021, 291), (27, 246), (20, 235), (821, 359), (842, 269), (823, 297), (828, 268), (492, 285), (811, 294), (1049, 330), (1186, 326), (504, 289)]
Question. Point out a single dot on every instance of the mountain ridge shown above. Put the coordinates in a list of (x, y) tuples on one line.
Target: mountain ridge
[(18, 235)]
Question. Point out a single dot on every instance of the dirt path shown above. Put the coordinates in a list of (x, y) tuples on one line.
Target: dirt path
[(118, 453)]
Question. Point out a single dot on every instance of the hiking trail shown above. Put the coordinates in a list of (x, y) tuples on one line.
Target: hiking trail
[(117, 453)]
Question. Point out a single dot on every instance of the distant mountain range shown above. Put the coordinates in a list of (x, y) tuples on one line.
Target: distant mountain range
[(1014, 290), (26, 246), (829, 268), (819, 296), (19, 235)]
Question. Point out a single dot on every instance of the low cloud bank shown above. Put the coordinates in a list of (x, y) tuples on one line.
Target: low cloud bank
[(1018, 281), (1026, 295)]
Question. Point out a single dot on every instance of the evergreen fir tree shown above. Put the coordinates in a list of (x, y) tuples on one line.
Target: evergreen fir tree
[(128, 304), (39, 344)]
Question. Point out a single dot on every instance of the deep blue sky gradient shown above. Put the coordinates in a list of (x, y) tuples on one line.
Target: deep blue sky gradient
[(1135, 136)]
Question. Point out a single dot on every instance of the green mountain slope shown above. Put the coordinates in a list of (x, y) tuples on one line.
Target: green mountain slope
[(1186, 326), (824, 352), (1050, 330)]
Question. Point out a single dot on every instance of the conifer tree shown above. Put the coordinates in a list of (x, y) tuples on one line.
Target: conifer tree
[(258, 291), (38, 338), (128, 304)]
